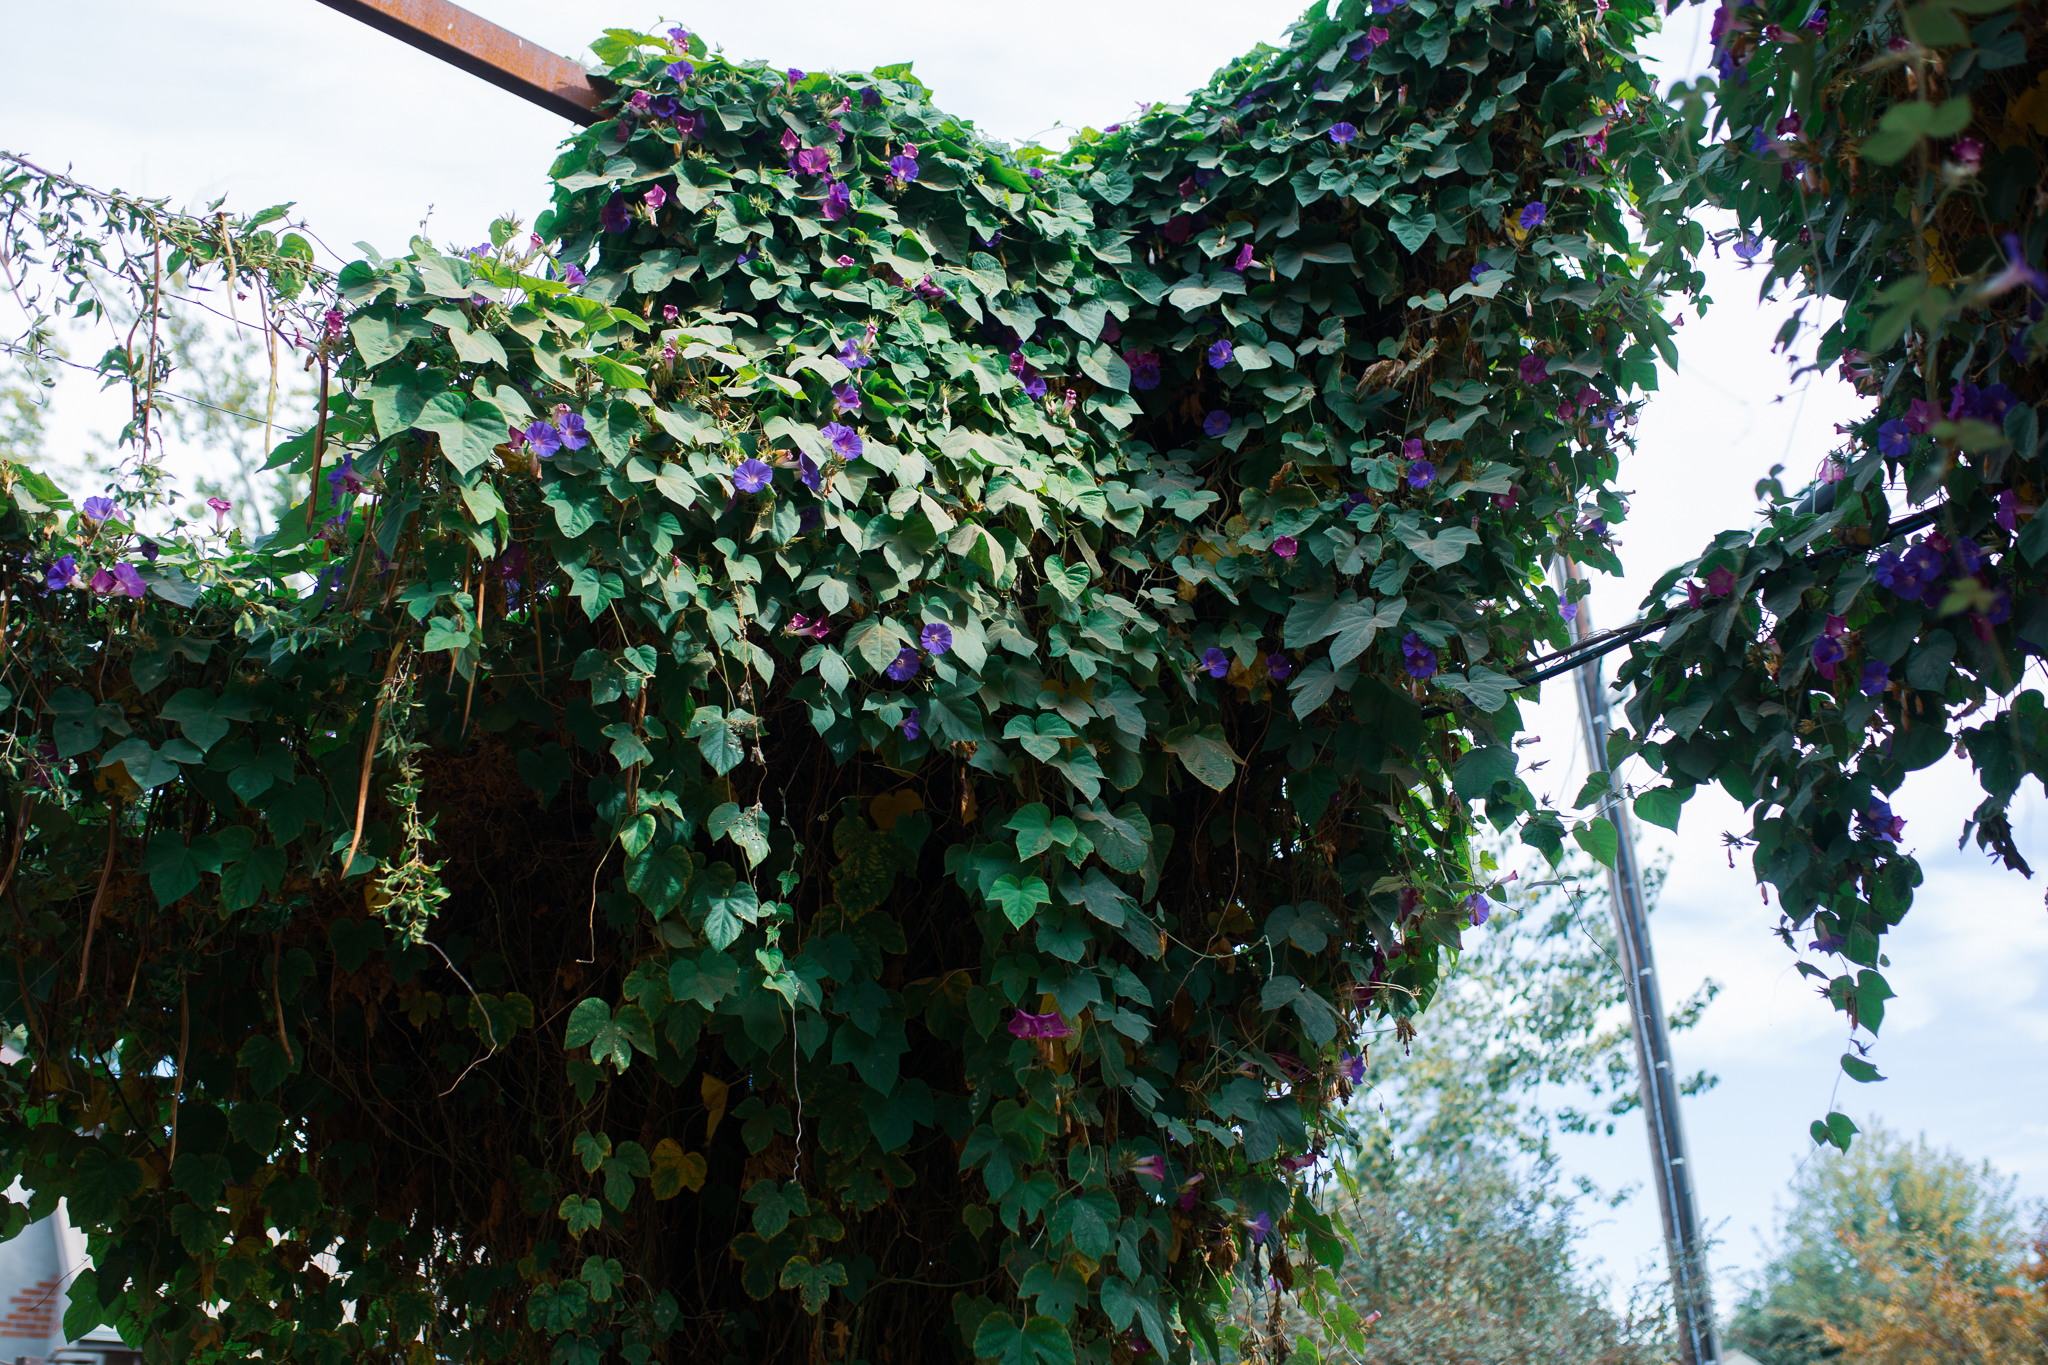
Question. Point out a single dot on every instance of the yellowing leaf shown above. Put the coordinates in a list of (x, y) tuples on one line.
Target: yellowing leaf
[(676, 1170)]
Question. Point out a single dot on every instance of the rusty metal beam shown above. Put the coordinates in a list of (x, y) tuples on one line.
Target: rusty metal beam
[(481, 48)]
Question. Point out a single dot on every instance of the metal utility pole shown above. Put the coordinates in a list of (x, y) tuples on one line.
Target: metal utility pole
[(483, 49), (1684, 1248)]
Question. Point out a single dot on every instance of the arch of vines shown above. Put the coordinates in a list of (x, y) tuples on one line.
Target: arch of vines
[(851, 742)]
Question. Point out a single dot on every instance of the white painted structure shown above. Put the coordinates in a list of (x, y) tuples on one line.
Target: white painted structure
[(36, 1271)]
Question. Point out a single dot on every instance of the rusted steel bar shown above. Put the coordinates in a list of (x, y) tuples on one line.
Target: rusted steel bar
[(481, 48)]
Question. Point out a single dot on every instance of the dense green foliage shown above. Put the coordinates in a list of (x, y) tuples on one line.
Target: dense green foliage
[(1890, 160), (969, 679)]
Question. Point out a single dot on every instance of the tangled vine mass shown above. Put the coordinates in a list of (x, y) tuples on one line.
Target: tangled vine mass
[(850, 739)]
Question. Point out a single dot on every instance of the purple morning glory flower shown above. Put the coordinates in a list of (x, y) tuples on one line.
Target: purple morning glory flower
[(1262, 1228), (905, 664), (844, 439), (150, 551), (1215, 662), (1351, 1067), (936, 638), (1151, 1167), (665, 107), (1827, 652), (1051, 1025), (102, 582), (1477, 908), (1418, 658), (903, 167), (845, 398), (1747, 247), (680, 72), (2017, 271), (795, 76), (1278, 668), (1034, 386), (870, 98), (1880, 823), (1533, 215), (1569, 611), (814, 161), (808, 474), (613, 217), (1343, 133), (1220, 353), (1244, 259), (1144, 369), (853, 354), (1721, 582), (1287, 547), (544, 439), (573, 274), (1479, 271), (62, 572), (911, 728), (1216, 423), (751, 476), (1421, 474), (129, 581), (1988, 404), (1895, 439), (2008, 514), (1534, 369), (678, 36), (1876, 677), (98, 509), (655, 197), (574, 436)]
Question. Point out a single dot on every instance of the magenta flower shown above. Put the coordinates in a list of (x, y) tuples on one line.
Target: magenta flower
[(751, 476), (1721, 582), (1144, 369), (221, 507), (1215, 662), (905, 665), (845, 440), (1534, 369), (336, 320), (838, 201), (1343, 133), (1968, 153), (1026, 1025), (97, 510), (613, 216), (911, 728), (1244, 259), (656, 197), (1278, 668), (1827, 652), (1286, 547), (1876, 677), (1216, 423), (102, 582), (1220, 353), (129, 581), (1151, 1167), (795, 76), (1417, 658), (936, 638), (814, 160), (1533, 215)]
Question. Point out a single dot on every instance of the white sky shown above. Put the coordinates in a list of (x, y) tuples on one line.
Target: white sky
[(274, 100)]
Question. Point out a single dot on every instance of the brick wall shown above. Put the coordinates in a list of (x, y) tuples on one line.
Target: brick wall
[(33, 1312)]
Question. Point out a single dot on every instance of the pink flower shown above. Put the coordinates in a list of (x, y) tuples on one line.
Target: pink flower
[(1025, 1025), (656, 197), (790, 141), (1151, 1167), (1534, 370), (1286, 547), (221, 507), (1721, 582)]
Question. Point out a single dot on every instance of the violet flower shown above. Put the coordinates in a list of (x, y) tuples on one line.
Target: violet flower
[(838, 201), (1748, 246), (1216, 423), (1418, 658), (1895, 439), (2008, 514), (853, 354), (680, 72), (1343, 134), (1568, 611), (544, 439), (149, 551), (903, 167), (1351, 1067), (1879, 822), (814, 160), (1261, 1228), (1215, 662), (808, 473), (2017, 271), (129, 581), (1278, 668), (1721, 582), (1477, 908), (655, 197), (1533, 215), (911, 728), (751, 476), (613, 216), (1876, 677), (1421, 474), (574, 436), (97, 510), (1244, 259), (845, 440), (1827, 652), (573, 274), (905, 665), (1144, 367), (1220, 353), (936, 638)]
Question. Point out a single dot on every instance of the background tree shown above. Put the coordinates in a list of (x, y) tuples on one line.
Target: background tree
[(1896, 1252)]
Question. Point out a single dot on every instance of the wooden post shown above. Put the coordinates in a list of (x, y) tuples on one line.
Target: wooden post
[(481, 48)]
